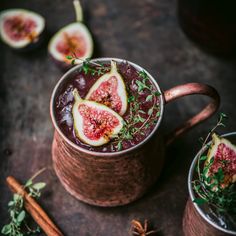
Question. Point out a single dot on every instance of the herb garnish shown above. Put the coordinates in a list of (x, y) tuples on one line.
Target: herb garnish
[(18, 225), (136, 122), (89, 66), (209, 188)]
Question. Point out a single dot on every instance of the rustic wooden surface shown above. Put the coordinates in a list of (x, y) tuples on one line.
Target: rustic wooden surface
[(146, 32)]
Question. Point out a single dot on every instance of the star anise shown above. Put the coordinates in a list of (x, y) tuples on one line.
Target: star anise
[(141, 230)]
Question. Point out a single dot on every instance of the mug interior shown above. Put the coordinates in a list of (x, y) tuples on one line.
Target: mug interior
[(191, 191), (64, 80)]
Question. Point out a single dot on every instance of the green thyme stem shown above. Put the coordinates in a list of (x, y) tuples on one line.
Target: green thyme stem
[(74, 58), (86, 61), (219, 123), (149, 117), (38, 173), (18, 215), (210, 188), (130, 126)]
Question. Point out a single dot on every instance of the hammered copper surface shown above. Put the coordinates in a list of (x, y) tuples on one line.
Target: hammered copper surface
[(192, 89), (146, 32), (117, 179), (111, 180), (195, 225)]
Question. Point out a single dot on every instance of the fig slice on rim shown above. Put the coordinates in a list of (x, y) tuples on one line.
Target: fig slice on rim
[(222, 155), (110, 90), (95, 124), (73, 39), (20, 28)]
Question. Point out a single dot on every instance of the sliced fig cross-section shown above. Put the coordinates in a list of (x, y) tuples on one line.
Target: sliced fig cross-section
[(73, 39), (110, 90), (222, 155), (20, 28), (94, 123)]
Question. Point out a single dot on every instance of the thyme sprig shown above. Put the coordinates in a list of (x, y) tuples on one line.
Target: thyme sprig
[(210, 188), (89, 66), (220, 123), (136, 122), (18, 225)]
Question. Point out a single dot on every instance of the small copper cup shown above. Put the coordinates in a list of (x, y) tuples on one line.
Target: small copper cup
[(118, 178), (195, 220)]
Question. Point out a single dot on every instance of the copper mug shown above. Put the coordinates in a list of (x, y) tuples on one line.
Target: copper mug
[(195, 220), (118, 178)]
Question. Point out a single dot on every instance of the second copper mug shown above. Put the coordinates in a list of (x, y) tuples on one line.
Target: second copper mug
[(118, 178), (197, 220)]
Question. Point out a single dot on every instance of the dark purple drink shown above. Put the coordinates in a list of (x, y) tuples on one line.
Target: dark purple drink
[(140, 118)]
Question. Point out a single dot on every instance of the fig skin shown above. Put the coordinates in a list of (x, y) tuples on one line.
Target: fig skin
[(35, 45), (39, 39), (81, 30), (121, 90), (212, 152), (78, 121), (32, 46)]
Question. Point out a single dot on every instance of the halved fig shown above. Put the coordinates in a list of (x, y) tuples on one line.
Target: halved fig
[(73, 39), (110, 90), (94, 123), (20, 28), (222, 155)]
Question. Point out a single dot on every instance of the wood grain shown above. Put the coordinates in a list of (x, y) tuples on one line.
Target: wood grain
[(146, 32)]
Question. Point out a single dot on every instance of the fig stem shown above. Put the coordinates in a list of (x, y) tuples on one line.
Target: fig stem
[(113, 67), (79, 61), (78, 10), (76, 95)]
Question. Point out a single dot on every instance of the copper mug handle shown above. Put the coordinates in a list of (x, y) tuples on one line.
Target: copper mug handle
[(190, 89)]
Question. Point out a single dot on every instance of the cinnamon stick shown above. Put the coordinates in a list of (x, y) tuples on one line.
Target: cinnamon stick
[(33, 208)]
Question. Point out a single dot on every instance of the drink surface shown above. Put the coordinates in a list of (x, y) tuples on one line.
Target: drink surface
[(140, 118)]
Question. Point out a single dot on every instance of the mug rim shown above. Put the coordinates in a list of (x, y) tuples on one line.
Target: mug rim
[(95, 153), (191, 192)]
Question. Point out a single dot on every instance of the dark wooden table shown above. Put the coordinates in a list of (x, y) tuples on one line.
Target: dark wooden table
[(146, 32)]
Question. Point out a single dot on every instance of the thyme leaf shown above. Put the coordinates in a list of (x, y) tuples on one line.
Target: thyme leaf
[(18, 225), (88, 66), (139, 120), (210, 188)]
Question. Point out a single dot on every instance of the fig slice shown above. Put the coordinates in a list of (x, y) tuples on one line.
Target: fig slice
[(73, 39), (95, 124), (20, 28), (110, 90), (222, 154)]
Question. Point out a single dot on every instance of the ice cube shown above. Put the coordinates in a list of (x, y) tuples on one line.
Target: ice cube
[(81, 82), (66, 116)]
